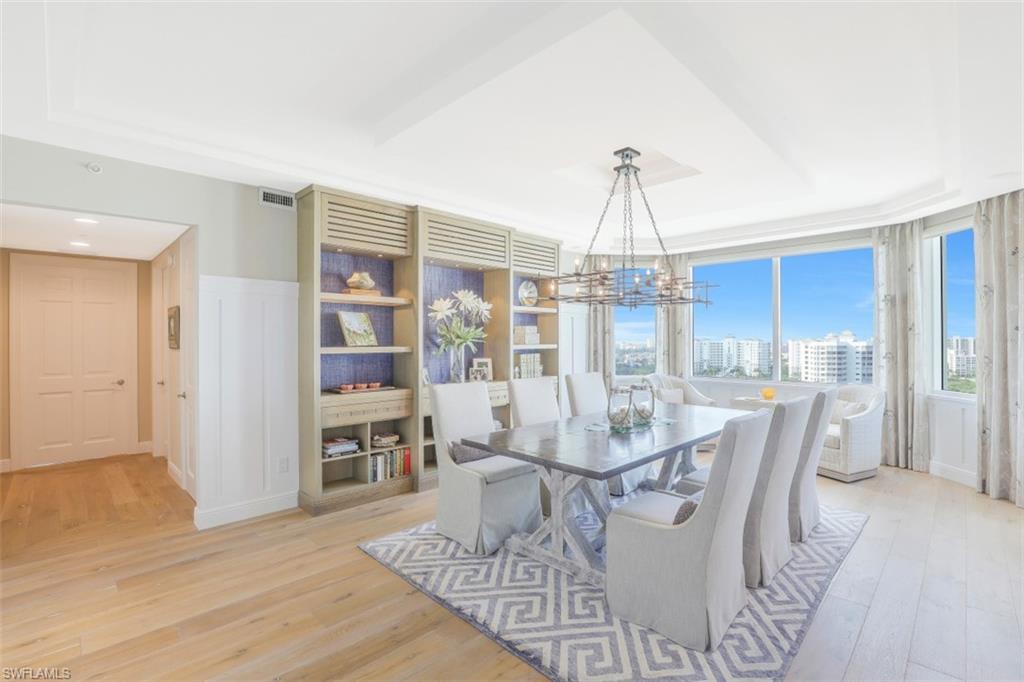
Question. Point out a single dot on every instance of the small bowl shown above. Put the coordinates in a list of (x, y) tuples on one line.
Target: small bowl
[(360, 387), (346, 387), (374, 384)]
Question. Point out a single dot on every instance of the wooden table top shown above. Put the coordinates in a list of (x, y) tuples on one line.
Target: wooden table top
[(569, 446)]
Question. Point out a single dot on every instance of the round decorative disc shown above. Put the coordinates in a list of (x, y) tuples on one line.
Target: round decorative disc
[(527, 293)]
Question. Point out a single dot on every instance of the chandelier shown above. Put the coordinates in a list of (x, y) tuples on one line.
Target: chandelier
[(628, 285)]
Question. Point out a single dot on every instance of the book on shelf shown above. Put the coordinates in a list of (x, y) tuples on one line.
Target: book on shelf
[(384, 440), (529, 365), (336, 447), (391, 464), (525, 335)]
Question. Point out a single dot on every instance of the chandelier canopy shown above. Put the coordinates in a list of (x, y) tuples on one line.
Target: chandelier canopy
[(627, 285)]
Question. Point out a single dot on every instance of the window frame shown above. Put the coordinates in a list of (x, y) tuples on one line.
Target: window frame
[(940, 367), (846, 241)]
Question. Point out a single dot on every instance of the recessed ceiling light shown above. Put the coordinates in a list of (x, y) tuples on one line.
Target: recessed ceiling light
[(84, 245), (87, 221)]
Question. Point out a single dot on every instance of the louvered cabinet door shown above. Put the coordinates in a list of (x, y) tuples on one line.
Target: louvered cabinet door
[(535, 256), (452, 239), (366, 227)]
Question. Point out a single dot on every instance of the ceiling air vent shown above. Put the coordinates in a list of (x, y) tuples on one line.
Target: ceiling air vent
[(277, 199)]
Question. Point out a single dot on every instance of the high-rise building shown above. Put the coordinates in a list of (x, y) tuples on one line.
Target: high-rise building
[(732, 356), (835, 359), (961, 360)]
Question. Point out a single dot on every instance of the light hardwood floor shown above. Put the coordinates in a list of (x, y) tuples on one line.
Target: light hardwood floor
[(104, 575)]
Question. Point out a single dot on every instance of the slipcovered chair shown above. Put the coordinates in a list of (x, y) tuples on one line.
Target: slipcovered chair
[(587, 395), (853, 441), (534, 402), (672, 389), (484, 501), (766, 547), (804, 510), (685, 580)]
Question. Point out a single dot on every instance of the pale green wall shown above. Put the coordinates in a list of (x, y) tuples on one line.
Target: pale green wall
[(237, 236)]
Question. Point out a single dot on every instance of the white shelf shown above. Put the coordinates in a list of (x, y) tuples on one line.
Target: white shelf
[(534, 310), (363, 350), (363, 299), (535, 346)]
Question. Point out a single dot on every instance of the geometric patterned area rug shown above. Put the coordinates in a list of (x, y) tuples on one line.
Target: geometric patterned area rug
[(564, 629)]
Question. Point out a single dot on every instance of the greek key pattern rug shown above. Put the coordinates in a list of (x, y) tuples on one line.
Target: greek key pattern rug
[(564, 629)]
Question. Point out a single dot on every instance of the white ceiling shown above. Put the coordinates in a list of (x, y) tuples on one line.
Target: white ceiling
[(755, 120), (46, 229)]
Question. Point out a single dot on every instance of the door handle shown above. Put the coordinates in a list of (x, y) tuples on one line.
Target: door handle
[(182, 395), (119, 382), (160, 383)]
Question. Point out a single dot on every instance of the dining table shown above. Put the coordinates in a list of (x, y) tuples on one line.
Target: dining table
[(573, 454)]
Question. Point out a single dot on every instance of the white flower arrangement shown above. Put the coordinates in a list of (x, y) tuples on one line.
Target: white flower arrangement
[(460, 320)]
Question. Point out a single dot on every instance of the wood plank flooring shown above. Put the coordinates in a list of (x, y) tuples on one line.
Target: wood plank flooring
[(103, 573)]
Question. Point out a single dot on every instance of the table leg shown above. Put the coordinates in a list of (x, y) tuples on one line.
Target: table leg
[(556, 484), (667, 473)]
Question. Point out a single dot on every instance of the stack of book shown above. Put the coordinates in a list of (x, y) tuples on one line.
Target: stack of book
[(525, 335), (384, 440), (390, 464), (530, 366), (337, 447)]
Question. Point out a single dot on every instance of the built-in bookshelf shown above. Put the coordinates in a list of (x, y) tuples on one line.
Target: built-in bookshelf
[(414, 255)]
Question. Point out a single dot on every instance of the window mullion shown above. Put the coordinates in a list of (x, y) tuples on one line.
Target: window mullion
[(776, 319)]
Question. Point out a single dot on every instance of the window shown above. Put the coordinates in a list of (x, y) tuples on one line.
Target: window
[(827, 309), (733, 336), (634, 340), (959, 362)]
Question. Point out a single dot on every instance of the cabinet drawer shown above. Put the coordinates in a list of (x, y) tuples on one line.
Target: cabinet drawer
[(497, 392), (337, 411)]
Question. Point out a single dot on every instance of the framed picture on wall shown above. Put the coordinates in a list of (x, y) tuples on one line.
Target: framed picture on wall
[(174, 327)]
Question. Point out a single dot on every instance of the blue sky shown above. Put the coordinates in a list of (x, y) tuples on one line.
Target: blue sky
[(821, 293), (959, 292)]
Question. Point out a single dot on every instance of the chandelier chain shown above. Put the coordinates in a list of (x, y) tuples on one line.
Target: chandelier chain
[(654, 226), (600, 221)]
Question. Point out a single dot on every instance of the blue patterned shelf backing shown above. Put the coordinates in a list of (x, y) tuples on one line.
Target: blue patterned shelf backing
[(344, 369), (335, 268), (438, 282), (524, 320)]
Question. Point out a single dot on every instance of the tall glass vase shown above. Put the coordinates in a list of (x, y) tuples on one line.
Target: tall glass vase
[(457, 364)]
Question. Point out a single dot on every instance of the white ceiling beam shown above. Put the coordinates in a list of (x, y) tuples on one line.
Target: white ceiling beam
[(475, 58)]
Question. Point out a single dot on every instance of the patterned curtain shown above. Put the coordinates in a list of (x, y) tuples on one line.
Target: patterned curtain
[(673, 328), (901, 357), (999, 292), (600, 333)]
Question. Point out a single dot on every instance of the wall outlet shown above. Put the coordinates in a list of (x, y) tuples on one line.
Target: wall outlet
[(282, 465)]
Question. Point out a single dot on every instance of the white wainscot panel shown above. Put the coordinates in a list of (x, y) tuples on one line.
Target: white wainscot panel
[(954, 438), (248, 399)]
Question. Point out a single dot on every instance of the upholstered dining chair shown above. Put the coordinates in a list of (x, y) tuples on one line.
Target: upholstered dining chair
[(672, 389), (486, 498), (804, 509), (533, 401), (587, 395), (683, 577), (766, 547)]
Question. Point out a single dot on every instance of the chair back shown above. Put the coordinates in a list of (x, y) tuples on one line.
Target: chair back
[(459, 410), (533, 401), (860, 393), (803, 498), (766, 531), (587, 393), (723, 508)]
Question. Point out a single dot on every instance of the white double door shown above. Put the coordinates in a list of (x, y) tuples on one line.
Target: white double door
[(74, 359)]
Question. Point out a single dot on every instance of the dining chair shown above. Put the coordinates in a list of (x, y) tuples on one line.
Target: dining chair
[(685, 579), (766, 534), (804, 509), (533, 401), (484, 501), (587, 395)]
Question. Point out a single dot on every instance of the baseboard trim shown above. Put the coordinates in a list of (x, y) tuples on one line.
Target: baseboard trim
[(952, 473), (5, 465), (210, 518), (141, 447), (175, 473)]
